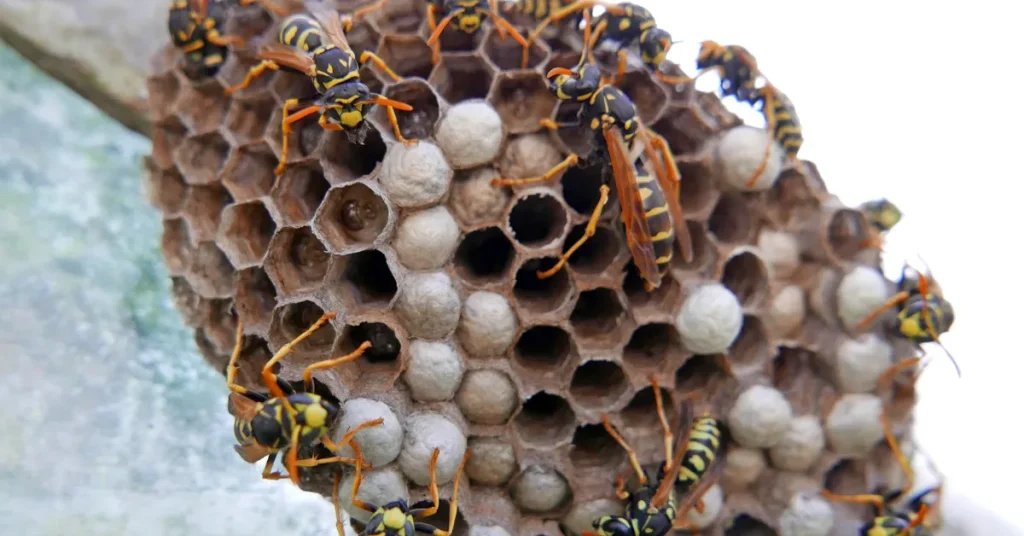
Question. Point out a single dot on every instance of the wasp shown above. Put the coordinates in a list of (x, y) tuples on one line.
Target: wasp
[(316, 46), (883, 215), (923, 313), (285, 419), (648, 195), (780, 121), (397, 518), (625, 23), (467, 16), (652, 509), (736, 68), (196, 28)]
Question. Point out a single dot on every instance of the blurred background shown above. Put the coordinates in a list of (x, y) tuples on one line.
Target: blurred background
[(114, 425)]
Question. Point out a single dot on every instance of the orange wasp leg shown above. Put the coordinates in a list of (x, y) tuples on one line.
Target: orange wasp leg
[(307, 375), (770, 124), (438, 28), (286, 131), (899, 298), (269, 378), (883, 383), (252, 75), (633, 461), (587, 234), (551, 174), (370, 56)]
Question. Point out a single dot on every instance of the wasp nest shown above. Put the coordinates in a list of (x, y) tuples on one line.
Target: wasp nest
[(422, 257)]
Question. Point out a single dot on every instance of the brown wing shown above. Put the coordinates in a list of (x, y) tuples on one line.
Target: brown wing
[(332, 24), (287, 56), (198, 7), (638, 234), (242, 407), (253, 452), (671, 189)]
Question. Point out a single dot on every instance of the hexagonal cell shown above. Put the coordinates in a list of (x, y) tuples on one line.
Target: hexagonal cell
[(543, 347), (662, 298), (462, 76), (298, 193), (440, 518), (648, 97), (748, 525), (566, 59), (385, 351), (705, 253), (751, 346), (202, 109), (165, 189), (746, 275), (249, 172), (167, 135), (200, 158), (206, 349), (247, 121), (522, 99), (291, 320), (248, 22), (545, 419), (176, 246), (221, 324), (537, 220), (419, 123), (303, 141), (186, 301), (484, 256), (507, 54), (683, 128), (234, 71), (296, 261), (696, 187), (581, 188), (596, 254), (732, 221), (245, 233), (288, 85), (794, 365), (653, 345), (399, 17), (201, 209), (163, 92), (351, 218), (363, 36), (539, 296), (598, 384), (699, 372), (255, 298), (573, 139), (344, 160), (847, 232), (599, 314), (846, 478), (406, 55), (642, 410), (362, 280), (594, 448), (454, 40), (210, 273)]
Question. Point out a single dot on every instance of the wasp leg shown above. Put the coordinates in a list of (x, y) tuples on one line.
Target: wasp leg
[(555, 125), (393, 120), (291, 459), (307, 375), (225, 40), (286, 130), (269, 378), (587, 234), (569, 161), (268, 5), (253, 74), (358, 481), (770, 127), (350, 435), (875, 242), (899, 298), (436, 35), (313, 462), (620, 70), (503, 25), (633, 461), (493, 5), (370, 56), (232, 370), (665, 428), (267, 473), (883, 383), (362, 12), (435, 47), (917, 521), (673, 80), (875, 500), (335, 498)]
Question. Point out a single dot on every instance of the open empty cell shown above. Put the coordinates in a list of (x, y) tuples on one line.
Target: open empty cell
[(165, 189), (539, 296), (385, 346), (696, 187), (537, 220), (407, 55), (461, 77), (210, 273), (543, 347), (249, 172), (419, 123), (298, 193), (507, 54), (362, 280), (596, 254), (598, 384), (202, 209), (642, 410), (698, 372), (682, 128), (746, 276), (594, 448), (663, 298), (652, 345), (522, 99), (247, 121), (648, 97), (245, 233), (296, 261), (545, 419), (344, 159), (352, 217), (163, 92), (581, 187), (440, 518), (751, 346), (485, 256), (291, 320), (255, 298), (167, 136), (732, 221), (748, 525), (200, 158), (202, 108), (847, 232), (598, 314), (176, 246)]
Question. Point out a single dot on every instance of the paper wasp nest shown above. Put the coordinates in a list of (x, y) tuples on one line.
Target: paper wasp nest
[(422, 257)]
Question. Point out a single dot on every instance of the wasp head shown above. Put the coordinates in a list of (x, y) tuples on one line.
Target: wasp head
[(654, 46), (347, 104), (469, 18), (709, 54)]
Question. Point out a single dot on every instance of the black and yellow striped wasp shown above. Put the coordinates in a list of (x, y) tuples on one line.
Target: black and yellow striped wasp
[(883, 215), (468, 16), (648, 195), (398, 518), (923, 313), (625, 23), (781, 122), (196, 27), (316, 46), (267, 424), (736, 68), (653, 508)]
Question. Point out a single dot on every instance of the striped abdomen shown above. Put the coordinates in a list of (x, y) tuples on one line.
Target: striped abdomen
[(537, 9), (334, 65), (659, 220), (702, 444), (787, 124), (302, 32)]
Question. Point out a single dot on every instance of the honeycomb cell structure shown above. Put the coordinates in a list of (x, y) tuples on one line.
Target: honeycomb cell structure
[(422, 257)]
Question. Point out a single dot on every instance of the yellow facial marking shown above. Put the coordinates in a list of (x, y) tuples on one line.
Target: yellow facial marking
[(394, 519), (351, 119)]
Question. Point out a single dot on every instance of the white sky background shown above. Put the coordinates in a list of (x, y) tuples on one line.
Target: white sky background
[(918, 102)]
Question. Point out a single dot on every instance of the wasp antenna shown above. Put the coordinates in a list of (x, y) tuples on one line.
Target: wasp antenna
[(951, 358), (559, 71)]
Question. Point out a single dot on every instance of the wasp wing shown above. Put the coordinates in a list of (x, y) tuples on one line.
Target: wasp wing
[(253, 452), (242, 407), (287, 56), (663, 172), (638, 234), (330, 20)]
